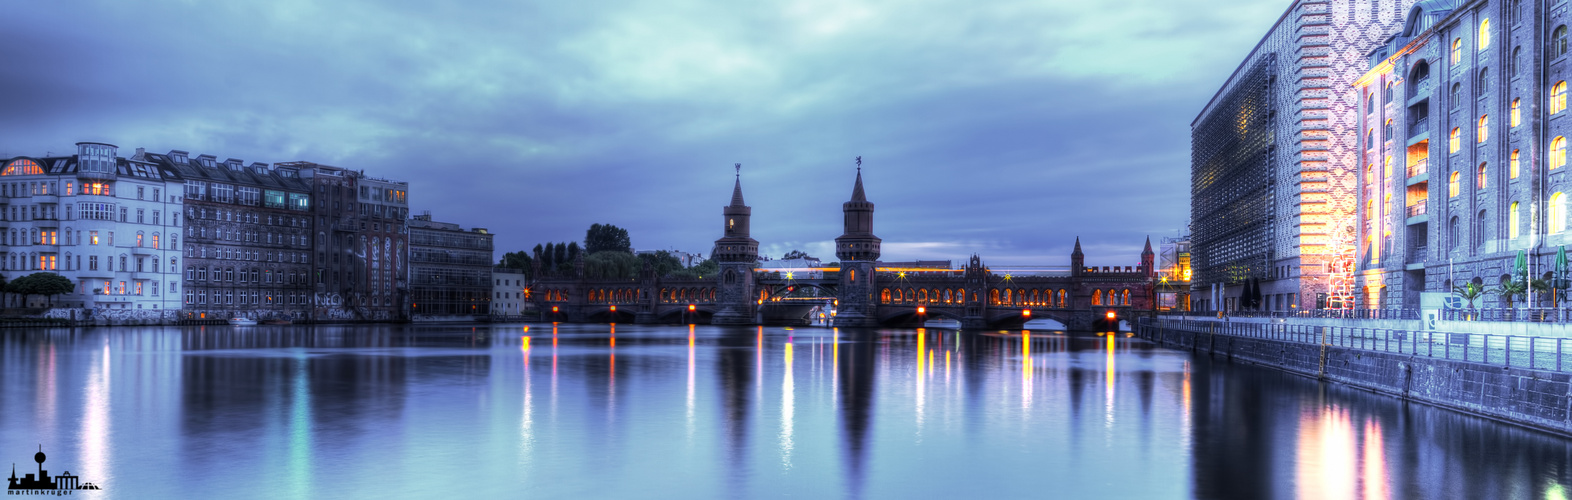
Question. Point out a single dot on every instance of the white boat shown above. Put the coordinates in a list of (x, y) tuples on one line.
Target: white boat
[(242, 321)]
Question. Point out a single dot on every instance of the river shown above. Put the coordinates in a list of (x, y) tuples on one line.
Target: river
[(634, 411)]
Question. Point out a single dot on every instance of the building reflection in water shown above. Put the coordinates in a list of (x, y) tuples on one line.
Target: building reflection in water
[(856, 390), (735, 372)]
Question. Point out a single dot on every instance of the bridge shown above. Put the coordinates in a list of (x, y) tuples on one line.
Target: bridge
[(861, 292)]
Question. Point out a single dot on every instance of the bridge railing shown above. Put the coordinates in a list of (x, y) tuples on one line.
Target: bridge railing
[(1389, 313), (1532, 352)]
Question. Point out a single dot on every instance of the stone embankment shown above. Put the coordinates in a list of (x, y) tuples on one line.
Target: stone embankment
[(1413, 365)]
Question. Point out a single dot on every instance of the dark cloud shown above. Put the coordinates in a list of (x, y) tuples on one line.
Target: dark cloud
[(1001, 128)]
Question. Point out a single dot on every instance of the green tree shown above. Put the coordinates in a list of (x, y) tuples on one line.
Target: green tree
[(708, 268), (517, 260), (559, 255), (50, 284), (612, 264), (1509, 290), (1470, 292), (573, 251), (662, 262), (606, 238), (796, 254)]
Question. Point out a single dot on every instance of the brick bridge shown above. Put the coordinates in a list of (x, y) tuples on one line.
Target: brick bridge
[(860, 292)]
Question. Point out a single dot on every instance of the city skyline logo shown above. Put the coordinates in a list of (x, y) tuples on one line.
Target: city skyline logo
[(42, 484)]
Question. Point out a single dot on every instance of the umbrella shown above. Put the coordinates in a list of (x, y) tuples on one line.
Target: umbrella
[(1561, 270), (1520, 266)]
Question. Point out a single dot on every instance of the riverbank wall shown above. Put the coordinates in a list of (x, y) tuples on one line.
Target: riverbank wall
[(1532, 398)]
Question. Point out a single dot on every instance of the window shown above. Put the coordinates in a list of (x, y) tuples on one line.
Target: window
[(1480, 183), (92, 237), (1558, 97), (1456, 98), (1455, 141), (1453, 185), (1387, 132), (1512, 222), (1516, 117), (1558, 152), (1388, 93), (1370, 103), (1515, 64), (1558, 41), (1484, 127), (1453, 238), (1457, 50), (1558, 213), (1484, 34), (1514, 164), (1484, 82)]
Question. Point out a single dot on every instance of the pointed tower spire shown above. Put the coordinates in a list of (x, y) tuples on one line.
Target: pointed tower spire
[(736, 190), (857, 241), (1078, 246), (1077, 259), (857, 194), (1148, 263), (1148, 249)]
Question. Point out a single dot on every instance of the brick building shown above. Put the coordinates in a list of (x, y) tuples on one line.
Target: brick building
[(449, 270), (361, 244)]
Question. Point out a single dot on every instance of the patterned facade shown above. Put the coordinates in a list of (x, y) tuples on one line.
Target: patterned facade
[(63, 214), (1276, 202), (1465, 148), (361, 245), (247, 241)]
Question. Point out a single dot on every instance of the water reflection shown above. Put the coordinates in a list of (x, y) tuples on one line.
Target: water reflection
[(632, 411)]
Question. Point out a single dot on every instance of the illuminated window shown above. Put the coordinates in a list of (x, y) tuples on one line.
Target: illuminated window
[(1484, 127), (1558, 152), (1457, 50), (1514, 164), (1516, 117), (1455, 142), (1453, 184), (22, 167), (1558, 41), (1558, 213), (1512, 221), (1480, 183), (1484, 34), (1558, 97)]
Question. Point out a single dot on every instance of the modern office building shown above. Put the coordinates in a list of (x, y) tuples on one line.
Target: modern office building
[(247, 238), (109, 224), (1463, 150), (361, 244), (1274, 156), (449, 270)]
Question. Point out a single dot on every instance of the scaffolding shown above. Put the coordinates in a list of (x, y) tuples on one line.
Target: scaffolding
[(1231, 196)]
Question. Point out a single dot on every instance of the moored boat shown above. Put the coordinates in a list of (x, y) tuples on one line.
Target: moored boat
[(242, 321)]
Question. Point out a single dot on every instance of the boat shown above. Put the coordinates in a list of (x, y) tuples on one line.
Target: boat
[(242, 321)]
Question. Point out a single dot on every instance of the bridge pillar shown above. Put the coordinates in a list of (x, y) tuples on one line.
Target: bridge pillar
[(734, 295), (857, 308), (649, 286)]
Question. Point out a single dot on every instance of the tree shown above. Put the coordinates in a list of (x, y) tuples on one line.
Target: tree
[(1469, 291), (662, 262), (612, 264), (559, 255), (796, 254), (50, 284), (573, 251), (517, 260), (606, 237), (708, 268), (1508, 290)]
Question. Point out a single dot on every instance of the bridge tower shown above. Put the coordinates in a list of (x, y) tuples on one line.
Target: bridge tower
[(976, 277), (858, 250), (1077, 259), (737, 254)]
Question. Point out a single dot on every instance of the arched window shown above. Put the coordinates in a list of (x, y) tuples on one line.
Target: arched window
[(1480, 183), (1452, 237), (1452, 185), (731, 277), (1456, 97), (1515, 64), (1484, 82), (1124, 297), (1062, 295), (1097, 297), (1516, 118), (1484, 127), (1558, 41), (1457, 50), (1455, 140), (1512, 222), (1370, 138), (1514, 164), (1558, 97), (1479, 231), (993, 296), (1387, 132), (1387, 94), (22, 167), (1420, 73), (1558, 213), (1370, 102), (1484, 34), (1558, 152)]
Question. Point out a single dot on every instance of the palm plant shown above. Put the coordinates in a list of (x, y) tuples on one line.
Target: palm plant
[(1470, 292), (1511, 289), (1544, 288)]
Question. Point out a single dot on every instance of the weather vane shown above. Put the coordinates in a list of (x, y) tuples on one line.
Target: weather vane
[(859, 164), (739, 169)]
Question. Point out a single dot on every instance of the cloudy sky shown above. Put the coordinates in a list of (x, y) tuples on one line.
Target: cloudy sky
[(1003, 128)]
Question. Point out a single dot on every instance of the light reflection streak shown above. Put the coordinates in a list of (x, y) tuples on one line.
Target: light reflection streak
[(691, 366), (1109, 396), (1326, 455), (835, 368), (787, 409), (1026, 370), (527, 422), (758, 367), (553, 372), (95, 425), (300, 469), (1374, 476), (922, 348)]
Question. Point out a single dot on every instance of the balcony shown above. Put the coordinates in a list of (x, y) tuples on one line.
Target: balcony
[(1416, 209), (1417, 254), (1419, 168), (1418, 127)]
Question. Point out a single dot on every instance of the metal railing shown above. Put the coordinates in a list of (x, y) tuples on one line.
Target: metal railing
[(1417, 254), (1387, 313), (1536, 353), (1419, 168), (1416, 209), (1519, 314)]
